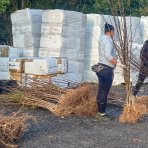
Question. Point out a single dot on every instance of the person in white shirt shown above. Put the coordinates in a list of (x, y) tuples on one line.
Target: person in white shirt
[(108, 60)]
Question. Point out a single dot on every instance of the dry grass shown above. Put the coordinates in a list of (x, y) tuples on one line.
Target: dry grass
[(131, 114), (79, 101), (12, 127)]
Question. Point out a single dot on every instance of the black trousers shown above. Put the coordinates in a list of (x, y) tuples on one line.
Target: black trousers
[(105, 79), (140, 81)]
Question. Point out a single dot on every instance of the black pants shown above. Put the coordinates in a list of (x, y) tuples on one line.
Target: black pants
[(140, 81), (105, 79)]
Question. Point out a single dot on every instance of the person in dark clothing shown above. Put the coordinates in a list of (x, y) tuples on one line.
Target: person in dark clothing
[(108, 61), (143, 68)]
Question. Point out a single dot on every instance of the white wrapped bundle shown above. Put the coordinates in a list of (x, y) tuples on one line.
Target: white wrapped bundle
[(73, 18), (118, 74), (65, 31), (91, 43), (62, 65), (26, 28), (66, 18), (4, 64), (41, 66), (72, 42), (17, 64), (26, 15), (133, 28), (49, 29), (66, 80), (26, 40), (130, 21), (62, 33), (75, 67), (144, 27), (16, 17), (89, 76), (89, 62), (73, 54), (48, 52), (73, 31), (94, 20), (18, 41), (29, 52), (4, 76), (11, 52), (93, 31), (52, 41), (53, 16), (92, 53), (58, 42)]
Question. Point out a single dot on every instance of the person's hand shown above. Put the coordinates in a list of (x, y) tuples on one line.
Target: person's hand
[(113, 61)]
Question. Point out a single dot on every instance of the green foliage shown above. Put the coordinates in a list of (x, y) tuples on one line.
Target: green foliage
[(3, 5), (133, 7)]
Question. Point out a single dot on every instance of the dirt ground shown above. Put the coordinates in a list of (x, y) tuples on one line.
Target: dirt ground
[(50, 131)]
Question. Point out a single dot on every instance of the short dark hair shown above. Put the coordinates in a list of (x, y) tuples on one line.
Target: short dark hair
[(108, 28)]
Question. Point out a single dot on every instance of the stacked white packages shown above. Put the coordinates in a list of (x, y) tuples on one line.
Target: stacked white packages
[(67, 80), (4, 68), (45, 66), (62, 35), (134, 27), (144, 27), (94, 30), (17, 64), (26, 29), (11, 52), (7, 52)]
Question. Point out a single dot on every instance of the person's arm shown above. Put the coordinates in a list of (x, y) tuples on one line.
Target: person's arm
[(108, 50), (144, 56)]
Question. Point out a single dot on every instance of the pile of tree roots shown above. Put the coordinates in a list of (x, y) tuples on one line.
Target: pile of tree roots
[(11, 128), (78, 100)]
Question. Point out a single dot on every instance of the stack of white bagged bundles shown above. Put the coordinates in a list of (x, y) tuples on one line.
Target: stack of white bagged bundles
[(134, 36), (134, 27), (94, 30), (45, 66), (25, 69), (4, 68), (7, 52), (144, 27), (26, 29), (62, 35)]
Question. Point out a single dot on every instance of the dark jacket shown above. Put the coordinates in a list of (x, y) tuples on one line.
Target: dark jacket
[(144, 54), (144, 57)]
